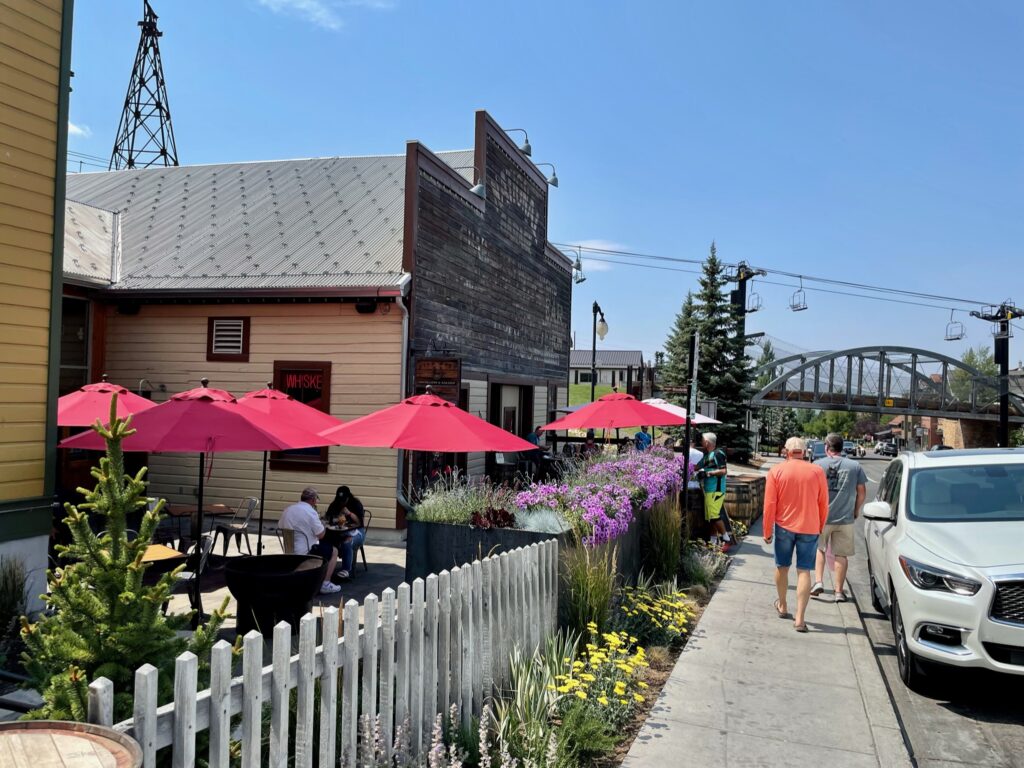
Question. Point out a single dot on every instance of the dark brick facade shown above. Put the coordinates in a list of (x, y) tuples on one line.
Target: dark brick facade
[(484, 285)]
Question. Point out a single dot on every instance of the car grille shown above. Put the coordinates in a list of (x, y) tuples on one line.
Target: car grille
[(1009, 602)]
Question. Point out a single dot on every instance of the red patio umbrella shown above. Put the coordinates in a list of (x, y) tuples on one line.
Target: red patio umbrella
[(281, 407), (202, 421), (425, 423), (614, 411), (82, 407)]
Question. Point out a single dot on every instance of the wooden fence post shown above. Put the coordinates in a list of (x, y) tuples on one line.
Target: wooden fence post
[(279, 698), (305, 692), (350, 688), (370, 629), (186, 675), (329, 689), (387, 671), (468, 647), (455, 670), (429, 658), (220, 702), (479, 638), (101, 702), (416, 668), (252, 698), (486, 627), (402, 660), (444, 641), (144, 715)]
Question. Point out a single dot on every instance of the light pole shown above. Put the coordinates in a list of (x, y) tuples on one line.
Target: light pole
[(600, 329)]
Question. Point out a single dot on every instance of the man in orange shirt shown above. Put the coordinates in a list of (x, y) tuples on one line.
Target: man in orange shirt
[(795, 511)]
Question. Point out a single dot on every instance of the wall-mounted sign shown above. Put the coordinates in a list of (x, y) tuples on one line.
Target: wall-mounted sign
[(442, 374), (889, 402)]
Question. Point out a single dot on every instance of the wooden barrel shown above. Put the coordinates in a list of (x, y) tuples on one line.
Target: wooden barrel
[(36, 743), (744, 497)]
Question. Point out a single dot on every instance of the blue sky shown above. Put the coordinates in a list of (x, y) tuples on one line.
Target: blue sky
[(869, 141)]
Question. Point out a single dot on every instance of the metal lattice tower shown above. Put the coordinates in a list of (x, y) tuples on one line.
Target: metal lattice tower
[(145, 136)]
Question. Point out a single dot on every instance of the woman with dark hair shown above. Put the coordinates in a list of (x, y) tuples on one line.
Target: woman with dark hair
[(347, 510)]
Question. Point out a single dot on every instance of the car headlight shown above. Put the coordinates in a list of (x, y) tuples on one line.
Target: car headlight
[(928, 577)]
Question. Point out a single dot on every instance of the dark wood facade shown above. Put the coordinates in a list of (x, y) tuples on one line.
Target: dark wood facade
[(486, 284)]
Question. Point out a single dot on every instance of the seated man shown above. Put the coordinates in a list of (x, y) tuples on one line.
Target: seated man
[(302, 518), (346, 510)]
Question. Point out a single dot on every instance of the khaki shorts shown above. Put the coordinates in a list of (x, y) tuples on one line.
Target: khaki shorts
[(841, 537)]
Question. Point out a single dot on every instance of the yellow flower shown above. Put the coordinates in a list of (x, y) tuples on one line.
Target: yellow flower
[(581, 694), (642, 684), (563, 689), (588, 677), (551, 687), (637, 697), (623, 701), (602, 700)]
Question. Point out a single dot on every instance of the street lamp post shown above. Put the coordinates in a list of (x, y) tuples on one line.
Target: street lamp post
[(600, 329)]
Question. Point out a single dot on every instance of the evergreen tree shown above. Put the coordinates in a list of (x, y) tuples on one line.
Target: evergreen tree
[(769, 417), (724, 371), (105, 622), (676, 367)]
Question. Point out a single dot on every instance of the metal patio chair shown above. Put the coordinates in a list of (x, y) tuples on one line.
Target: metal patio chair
[(238, 526)]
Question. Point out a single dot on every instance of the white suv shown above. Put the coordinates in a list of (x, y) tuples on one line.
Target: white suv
[(946, 557)]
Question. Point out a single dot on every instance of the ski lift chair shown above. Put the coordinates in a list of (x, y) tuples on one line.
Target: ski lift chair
[(954, 329), (798, 301)]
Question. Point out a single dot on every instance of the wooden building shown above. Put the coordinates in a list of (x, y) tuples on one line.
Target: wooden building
[(35, 56), (347, 281), (622, 368)]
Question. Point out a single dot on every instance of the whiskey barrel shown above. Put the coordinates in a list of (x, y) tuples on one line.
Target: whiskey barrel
[(35, 743)]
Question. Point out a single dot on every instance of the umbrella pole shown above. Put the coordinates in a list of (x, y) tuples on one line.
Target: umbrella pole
[(197, 619), (263, 493)]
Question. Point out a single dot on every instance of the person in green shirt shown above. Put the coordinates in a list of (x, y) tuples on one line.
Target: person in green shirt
[(714, 469)]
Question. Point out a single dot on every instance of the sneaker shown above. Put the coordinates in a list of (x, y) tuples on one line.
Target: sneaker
[(342, 574), (817, 589), (841, 596), (329, 589)]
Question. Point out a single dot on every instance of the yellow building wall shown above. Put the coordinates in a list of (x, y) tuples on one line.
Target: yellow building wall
[(30, 53), (166, 344)]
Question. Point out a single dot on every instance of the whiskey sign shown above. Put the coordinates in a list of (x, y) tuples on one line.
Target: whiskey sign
[(442, 374)]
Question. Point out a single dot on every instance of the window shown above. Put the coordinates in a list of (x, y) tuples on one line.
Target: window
[(584, 377), (889, 488), (74, 344), (227, 339), (309, 383)]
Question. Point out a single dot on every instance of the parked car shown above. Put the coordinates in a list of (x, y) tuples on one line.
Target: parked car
[(887, 449), (945, 559), (850, 448), (941, 447), (815, 450)]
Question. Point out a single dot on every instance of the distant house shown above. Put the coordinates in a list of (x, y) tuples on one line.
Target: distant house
[(349, 282), (620, 368)]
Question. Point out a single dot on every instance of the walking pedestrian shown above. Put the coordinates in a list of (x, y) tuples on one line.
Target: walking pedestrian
[(847, 486), (795, 510), (714, 468)]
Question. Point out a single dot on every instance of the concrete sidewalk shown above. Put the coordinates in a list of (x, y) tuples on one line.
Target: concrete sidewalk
[(748, 690)]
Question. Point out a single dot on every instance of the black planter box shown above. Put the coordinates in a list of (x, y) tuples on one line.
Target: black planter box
[(435, 547)]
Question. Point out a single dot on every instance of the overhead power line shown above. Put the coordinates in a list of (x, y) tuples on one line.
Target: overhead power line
[(795, 275)]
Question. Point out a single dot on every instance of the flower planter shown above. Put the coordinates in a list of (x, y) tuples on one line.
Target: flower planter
[(435, 547), (744, 497)]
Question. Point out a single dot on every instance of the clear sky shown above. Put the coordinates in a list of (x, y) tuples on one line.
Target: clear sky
[(869, 141)]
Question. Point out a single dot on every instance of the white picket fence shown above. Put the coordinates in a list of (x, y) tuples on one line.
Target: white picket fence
[(443, 641)]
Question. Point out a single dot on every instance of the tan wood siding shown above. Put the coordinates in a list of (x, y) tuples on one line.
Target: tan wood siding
[(167, 345), (30, 42)]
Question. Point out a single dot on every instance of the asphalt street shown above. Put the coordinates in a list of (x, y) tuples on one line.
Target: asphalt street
[(967, 717)]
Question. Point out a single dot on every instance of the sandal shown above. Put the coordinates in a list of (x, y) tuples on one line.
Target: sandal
[(778, 609), (800, 627)]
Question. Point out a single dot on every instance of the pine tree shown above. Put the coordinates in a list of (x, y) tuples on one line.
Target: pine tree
[(769, 416), (104, 621), (676, 369), (724, 371)]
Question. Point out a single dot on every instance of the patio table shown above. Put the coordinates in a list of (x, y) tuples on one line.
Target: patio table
[(160, 552), (61, 744), (180, 512)]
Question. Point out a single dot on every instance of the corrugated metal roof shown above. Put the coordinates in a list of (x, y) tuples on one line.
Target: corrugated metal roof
[(90, 242), (606, 358), (320, 222)]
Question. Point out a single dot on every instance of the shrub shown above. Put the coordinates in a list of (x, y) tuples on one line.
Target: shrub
[(604, 679), (542, 521), (13, 604), (492, 518), (583, 737), (653, 616), (590, 575), (663, 538), (452, 500), (702, 563)]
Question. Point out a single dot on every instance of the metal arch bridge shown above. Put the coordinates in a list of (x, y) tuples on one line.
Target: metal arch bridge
[(883, 379)]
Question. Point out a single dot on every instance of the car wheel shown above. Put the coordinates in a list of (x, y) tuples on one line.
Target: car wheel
[(876, 599), (911, 672)]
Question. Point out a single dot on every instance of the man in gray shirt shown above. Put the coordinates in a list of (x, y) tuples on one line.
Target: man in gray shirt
[(847, 485)]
